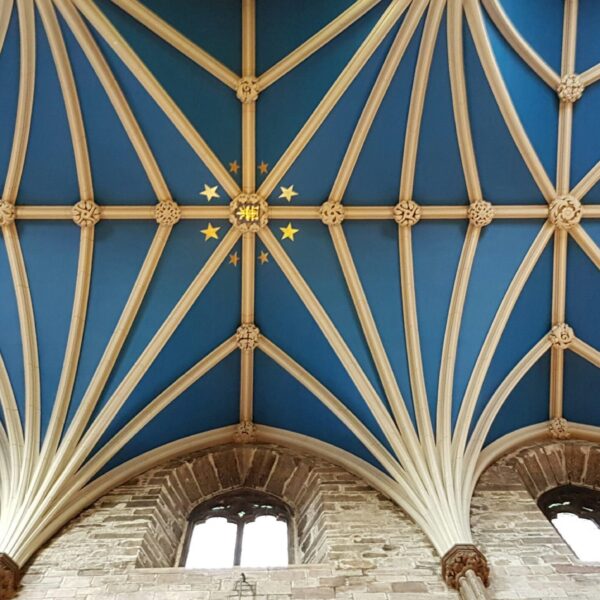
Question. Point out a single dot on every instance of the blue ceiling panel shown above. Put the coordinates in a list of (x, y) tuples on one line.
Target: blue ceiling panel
[(318, 164), (9, 92), (438, 148), (283, 319), (507, 181), (586, 139), (588, 40), (212, 318), (281, 401), (437, 246), (374, 247), (49, 173), (286, 105), (119, 251), (52, 286), (528, 404), (283, 25), (529, 322), (536, 102), (546, 40), (197, 93), (582, 382), (583, 300), (376, 176), (211, 402), (118, 175), (502, 246), (215, 26)]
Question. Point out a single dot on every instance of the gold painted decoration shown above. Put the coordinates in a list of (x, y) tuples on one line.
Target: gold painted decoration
[(263, 167), (332, 213), (565, 212), (570, 88), (407, 213), (210, 232), (263, 257), (288, 232), (248, 212), (234, 259), (288, 193), (247, 90), (561, 336), (167, 213), (210, 192), (7, 213), (86, 213), (234, 167), (480, 213)]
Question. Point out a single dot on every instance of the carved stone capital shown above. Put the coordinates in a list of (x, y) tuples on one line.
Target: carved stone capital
[(559, 428), (245, 433), (480, 213), (10, 575), (462, 558), (247, 336), (247, 90), (332, 213), (7, 213), (86, 213), (167, 213), (561, 336), (248, 212), (570, 88), (407, 213), (565, 212)]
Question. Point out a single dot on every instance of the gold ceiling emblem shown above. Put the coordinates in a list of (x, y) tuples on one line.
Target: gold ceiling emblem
[(561, 336), (7, 213), (167, 213), (248, 212), (247, 336), (407, 213), (559, 428), (565, 212), (86, 213), (332, 213), (480, 213), (247, 90), (570, 88)]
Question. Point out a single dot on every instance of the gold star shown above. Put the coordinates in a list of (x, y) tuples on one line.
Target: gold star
[(210, 232), (288, 193), (234, 259), (234, 167), (288, 232), (263, 167), (210, 192), (263, 257)]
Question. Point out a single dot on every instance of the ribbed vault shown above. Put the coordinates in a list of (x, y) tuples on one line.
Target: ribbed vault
[(368, 229)]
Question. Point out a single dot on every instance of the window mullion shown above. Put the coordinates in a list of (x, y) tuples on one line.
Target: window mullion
[(237, 557)]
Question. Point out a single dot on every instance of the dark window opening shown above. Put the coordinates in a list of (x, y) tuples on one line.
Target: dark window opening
[(246, 529), (575, 513)]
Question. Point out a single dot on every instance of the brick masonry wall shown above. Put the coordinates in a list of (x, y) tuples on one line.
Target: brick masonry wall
[(353, 543)]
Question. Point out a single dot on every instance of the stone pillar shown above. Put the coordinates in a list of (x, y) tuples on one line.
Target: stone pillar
[(465, 568), (471, 587), (10, 575)]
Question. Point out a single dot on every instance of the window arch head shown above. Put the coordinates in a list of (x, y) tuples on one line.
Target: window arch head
[(242, 528), (575, 513)]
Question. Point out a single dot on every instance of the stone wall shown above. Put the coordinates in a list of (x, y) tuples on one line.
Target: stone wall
[(353, 543)]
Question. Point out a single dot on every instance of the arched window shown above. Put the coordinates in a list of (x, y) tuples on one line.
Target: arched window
[(575, 513), (241, 528)]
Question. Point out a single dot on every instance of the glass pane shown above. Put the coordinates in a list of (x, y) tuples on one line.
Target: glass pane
[(265, 543), (212, 545), (581, 534)]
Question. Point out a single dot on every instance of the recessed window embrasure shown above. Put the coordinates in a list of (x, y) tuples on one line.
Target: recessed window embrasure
[(575, 513), (242, 528)]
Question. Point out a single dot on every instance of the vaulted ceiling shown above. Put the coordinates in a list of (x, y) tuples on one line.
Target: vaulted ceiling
[(426, 283)]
